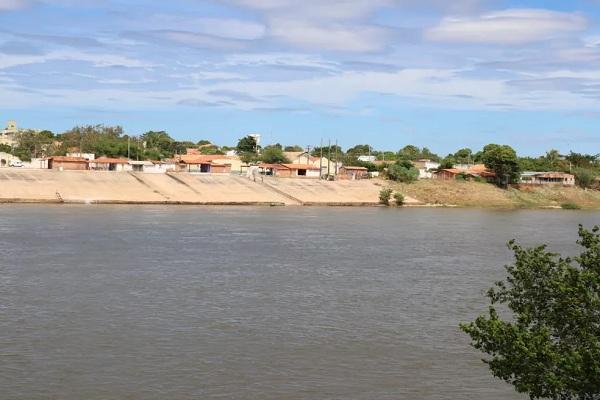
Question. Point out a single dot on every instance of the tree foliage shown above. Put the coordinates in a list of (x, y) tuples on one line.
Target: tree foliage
[(549, 344), (501, 159), (247, 144), (403, 171), (294, 148), (273, 155)]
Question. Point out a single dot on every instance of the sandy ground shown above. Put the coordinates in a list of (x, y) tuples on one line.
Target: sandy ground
[(21, 185), (476, 194)]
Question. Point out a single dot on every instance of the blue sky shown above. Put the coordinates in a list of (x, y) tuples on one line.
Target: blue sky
[(435, 73)]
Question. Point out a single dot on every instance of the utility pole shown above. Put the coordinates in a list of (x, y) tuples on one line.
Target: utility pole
[(321, 161), (128, 148), (329, 158), (336, 157)]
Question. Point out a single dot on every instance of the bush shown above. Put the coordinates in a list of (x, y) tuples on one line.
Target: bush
[(570, 206), (403, 172), (399, 197), (584, 178), (385, 196)]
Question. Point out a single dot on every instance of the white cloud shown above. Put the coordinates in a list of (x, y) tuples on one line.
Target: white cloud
[(332, 36), (513, 26), (12, 4)]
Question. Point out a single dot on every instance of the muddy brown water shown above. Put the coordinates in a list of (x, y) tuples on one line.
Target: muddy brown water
[(166, 302)]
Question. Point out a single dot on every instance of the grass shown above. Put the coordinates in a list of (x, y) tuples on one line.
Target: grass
[(478, 194)]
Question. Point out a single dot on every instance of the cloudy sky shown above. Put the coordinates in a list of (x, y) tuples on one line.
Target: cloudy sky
[(436, 73)]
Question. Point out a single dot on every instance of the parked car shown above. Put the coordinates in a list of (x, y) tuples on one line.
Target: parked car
[(15, 163)]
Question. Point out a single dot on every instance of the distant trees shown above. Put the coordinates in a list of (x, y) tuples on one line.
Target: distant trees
[(501, 159), (412, 153), (542, 330), (247, 144), (273, 155), (294, 148), (247, 149)]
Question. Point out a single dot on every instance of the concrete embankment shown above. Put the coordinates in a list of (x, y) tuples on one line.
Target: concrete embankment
[(48, 186)]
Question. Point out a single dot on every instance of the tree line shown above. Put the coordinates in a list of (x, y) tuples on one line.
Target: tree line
[(112, 141)]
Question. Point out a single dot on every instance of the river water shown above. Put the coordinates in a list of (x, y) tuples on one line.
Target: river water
[(118, 302)]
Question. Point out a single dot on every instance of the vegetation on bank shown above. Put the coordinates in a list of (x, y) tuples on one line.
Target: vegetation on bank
[(478, 194), (112, 141), (542, 329)]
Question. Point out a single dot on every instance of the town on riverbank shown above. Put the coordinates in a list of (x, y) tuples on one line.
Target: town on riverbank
[(100, 164)]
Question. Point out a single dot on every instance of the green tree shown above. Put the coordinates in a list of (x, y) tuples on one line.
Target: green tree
[(584, 177), (158, 144), (501, 159), (316, 152), (463, 156), (403, 171), (409, 152), (247, 144), (294, 148), (399, 197), (273, 155), (360, 150), (544, 338), (385, 195)]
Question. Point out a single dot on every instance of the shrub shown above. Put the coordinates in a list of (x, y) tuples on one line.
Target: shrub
[(399, 197), (403, 173), (384, 196), (570, 206), (584, 178)]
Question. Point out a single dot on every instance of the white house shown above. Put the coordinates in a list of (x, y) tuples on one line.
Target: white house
[(426, 168)]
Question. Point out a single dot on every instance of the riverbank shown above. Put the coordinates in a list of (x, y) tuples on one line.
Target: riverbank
[(484, 195), (99, 187)]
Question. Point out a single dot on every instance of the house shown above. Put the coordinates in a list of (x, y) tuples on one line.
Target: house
[(216, 164), (161, 167), (471, 172), (547, 178), (353, 173), (303, 170), (273, 170), (303, 157), (110, 164), (426, 168), (141, 166), (9, 134), (68, 163), (290, 170)]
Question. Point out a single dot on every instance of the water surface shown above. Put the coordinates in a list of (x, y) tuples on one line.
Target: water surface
[(110, 302)]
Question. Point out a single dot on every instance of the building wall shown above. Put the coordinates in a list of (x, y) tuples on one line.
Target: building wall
[(69, 165)]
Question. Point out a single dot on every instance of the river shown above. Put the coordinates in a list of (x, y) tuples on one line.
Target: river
[(167, 302)]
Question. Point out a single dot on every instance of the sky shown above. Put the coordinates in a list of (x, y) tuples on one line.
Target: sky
[(435, 73)]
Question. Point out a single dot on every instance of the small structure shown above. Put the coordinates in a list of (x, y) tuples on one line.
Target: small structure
[(141, 166), (68, 163), (303, 170), (326, 165), (216, 164), (426, 168), (110, 164), (547, 178), (367, 158), (353, 173), (472, 172), (272, 169)]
